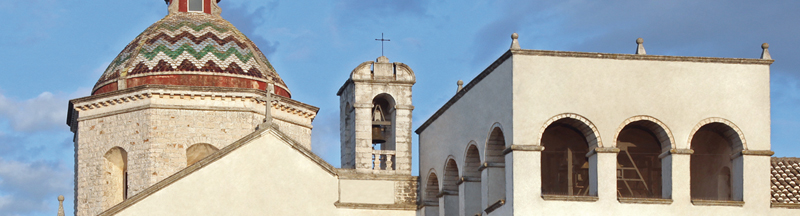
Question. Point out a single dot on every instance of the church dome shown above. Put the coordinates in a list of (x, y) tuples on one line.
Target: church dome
[(191, 49)]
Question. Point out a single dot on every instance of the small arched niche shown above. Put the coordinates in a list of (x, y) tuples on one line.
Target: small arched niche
[(198, 151), (115, 174)]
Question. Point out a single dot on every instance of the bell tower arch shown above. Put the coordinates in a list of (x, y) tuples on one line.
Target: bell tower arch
[(375, 115)]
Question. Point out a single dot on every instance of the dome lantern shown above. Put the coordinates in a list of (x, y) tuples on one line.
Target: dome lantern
[(197, 6)]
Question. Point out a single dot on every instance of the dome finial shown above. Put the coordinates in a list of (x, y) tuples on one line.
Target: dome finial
[(640, 47), (765, 51), (460, 84), (514, 41), (60, 205)]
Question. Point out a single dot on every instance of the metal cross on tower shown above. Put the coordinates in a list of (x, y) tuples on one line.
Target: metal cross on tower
[(382, 40)]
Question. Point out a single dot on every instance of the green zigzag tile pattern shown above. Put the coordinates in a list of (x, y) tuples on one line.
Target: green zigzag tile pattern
[(191, 25), (197, 54), (194, 25)]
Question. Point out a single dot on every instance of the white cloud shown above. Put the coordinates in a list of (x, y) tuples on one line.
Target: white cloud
[(29, 188), (45, 112)]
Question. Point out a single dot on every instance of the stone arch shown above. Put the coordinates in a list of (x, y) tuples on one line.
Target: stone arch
[(199, 151), (494, 164), (579, 122), (451, 175), (661, 131), (431, 187), (641, 140), (471, 179), (495, 144), (716, 168), (450, 187), (115, 176), (472, 161), (566, 168), (738, 140)]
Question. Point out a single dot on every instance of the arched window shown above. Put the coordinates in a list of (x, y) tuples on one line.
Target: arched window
[(198, 151), (639, 168), (472, 181), (430, 198), (565, 167), (115, 176), (713, 176), (495, 167), (450, 188), (383, 132), (195, 5)]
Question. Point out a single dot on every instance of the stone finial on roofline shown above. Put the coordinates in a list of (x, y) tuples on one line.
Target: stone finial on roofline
[(460, 84), (640, 47), (765, 51), (514, 42), (60, 205)]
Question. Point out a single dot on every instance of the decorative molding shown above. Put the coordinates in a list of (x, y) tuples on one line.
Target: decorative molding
[(629, 200), (701, 202), (352, 174), (523, 148), (467, 179), (495, 206), (676, 152), (549, 197), (488, 165), (785, 205), (403, 207), (641, 57), (602, 150), (758, 152), (446, 193)]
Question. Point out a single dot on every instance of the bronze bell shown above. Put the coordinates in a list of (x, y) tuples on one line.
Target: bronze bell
[(378, 121), (377, 134)]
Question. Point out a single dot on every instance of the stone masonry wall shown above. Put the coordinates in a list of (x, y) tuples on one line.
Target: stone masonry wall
[(156, 128)]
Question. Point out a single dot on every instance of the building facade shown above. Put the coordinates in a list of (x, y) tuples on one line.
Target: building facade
[(192, 119)]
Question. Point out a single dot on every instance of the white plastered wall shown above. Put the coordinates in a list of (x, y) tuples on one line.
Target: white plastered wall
[(263, 177), (607, 92), (471, 118)]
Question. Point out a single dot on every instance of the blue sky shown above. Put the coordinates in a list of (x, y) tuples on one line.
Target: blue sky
[(55, 50)]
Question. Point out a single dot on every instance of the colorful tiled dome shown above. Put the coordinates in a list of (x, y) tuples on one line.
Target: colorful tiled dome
[(191, 49)]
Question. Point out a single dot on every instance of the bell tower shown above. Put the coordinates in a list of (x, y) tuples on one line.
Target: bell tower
[(375, 118)]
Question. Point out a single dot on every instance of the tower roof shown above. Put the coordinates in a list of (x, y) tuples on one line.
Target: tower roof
[(191, 49)]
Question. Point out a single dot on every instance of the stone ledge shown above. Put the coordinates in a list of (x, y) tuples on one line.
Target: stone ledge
[(446, 193), (630, 200), (352, 174), (405, 207), (758, 152), (602, 150), (569, 198), (523, 148), (488, 165), (642, 57), (428, 204), (468, 179), (785, 205), (495, 206), (701, 202)]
